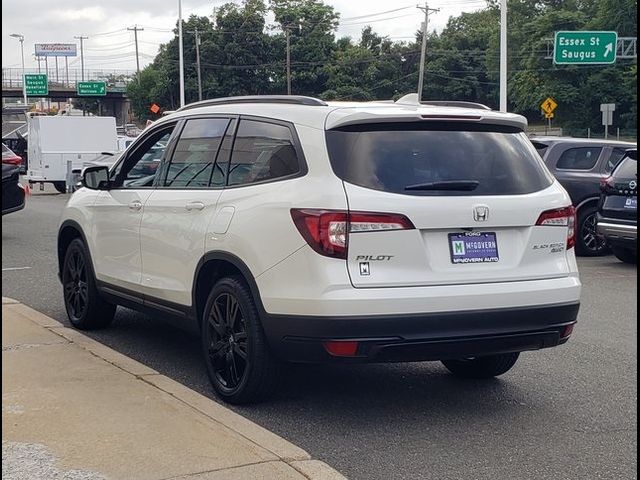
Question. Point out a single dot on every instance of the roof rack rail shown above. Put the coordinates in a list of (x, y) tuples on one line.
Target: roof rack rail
[(283, 99), (412, 99)]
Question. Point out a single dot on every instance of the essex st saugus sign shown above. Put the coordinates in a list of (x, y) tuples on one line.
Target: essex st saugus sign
[(585, 48)]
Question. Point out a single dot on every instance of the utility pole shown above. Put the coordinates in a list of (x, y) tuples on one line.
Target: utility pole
[(503, 55), (135, 30), (81, 38), (287, 35), (198, 63), (423, 53)]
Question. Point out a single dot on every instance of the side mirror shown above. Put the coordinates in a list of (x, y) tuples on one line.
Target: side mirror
[(96, 178)]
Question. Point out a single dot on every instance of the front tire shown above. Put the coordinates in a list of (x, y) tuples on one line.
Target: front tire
[(85, 307), (589, 243), (239, 363), (61, 187), (625, 255), (482, 367)]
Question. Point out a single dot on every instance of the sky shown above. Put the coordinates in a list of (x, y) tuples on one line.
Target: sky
[(110, 45)]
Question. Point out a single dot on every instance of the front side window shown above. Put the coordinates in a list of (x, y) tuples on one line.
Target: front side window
[(193, 163), (583, 158), (139, 169), (262, 151)]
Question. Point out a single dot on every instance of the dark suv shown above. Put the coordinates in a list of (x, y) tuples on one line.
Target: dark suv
[(580, 164), (618, 209)]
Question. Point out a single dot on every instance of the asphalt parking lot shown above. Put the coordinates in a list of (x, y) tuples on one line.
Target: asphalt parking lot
[(563, 413)]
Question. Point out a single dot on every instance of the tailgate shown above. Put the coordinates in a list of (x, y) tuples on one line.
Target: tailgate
[(508, 246), (474, 193)]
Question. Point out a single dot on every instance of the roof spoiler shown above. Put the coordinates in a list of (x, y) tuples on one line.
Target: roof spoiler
[(412, 99)]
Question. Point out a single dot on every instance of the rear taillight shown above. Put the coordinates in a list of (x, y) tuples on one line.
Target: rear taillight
[(561, 217), (327, 231), (15, 161)]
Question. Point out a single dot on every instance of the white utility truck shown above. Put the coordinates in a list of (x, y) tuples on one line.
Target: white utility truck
[(55, 141)]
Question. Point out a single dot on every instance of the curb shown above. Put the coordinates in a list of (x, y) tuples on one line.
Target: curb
[(286, 451)]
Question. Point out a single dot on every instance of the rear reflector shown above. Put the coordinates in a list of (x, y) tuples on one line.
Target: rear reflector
[(568, 330), (561, 217), (327, 231), (341, 348)]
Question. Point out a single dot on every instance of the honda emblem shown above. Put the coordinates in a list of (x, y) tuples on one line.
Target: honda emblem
[(480, 213)]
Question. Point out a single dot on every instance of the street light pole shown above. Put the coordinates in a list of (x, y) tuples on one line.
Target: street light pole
[(24, 85), (180, 53)]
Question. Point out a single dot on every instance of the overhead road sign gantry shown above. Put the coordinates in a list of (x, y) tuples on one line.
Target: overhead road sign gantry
[(585, 48)]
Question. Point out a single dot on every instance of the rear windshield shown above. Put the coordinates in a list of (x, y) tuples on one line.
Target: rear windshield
[(628, 168), (437, 159)]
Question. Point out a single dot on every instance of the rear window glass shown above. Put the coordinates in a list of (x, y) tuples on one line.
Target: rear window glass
[(437, 159), (628, 168), (617, 154)]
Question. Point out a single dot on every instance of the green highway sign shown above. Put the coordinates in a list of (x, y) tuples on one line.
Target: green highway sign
[(92, 89), (585, 48), (36, 84)]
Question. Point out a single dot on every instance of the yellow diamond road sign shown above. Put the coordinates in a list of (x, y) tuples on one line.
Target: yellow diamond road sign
[(549, 105)]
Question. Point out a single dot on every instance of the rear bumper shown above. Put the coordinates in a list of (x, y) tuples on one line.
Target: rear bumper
[(618, 231), (417, 337), (13, 198)]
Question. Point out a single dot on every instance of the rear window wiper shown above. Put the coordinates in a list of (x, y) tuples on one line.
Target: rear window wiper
[(459, 185)]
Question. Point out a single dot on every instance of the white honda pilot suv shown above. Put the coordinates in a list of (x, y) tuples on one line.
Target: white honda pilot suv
[(284, 228)]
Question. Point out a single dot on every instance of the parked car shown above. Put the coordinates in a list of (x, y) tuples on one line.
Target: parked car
[(10, 158), (13, 193), (580, 164), (618, 209), (287, 228)]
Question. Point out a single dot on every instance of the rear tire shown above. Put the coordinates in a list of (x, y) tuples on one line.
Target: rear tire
[(60, 186), (86, 309), (482, 367), (239, 363), (625, 255), (589, 243)]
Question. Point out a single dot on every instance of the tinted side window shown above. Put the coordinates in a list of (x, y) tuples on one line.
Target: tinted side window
[(262, 151), (583, 158), (140, 167), (614, 159), (194, 159)]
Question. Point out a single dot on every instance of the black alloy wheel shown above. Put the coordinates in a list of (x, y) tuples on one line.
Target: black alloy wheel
[(227, 341), (76, 288), (85, 307), (589, 242), (239, 362)]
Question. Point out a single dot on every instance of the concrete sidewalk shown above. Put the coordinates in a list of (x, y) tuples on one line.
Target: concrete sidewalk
[(74, 409)]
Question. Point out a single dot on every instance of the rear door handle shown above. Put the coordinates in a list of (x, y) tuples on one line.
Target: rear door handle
[(135, 205), (194, 206)]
